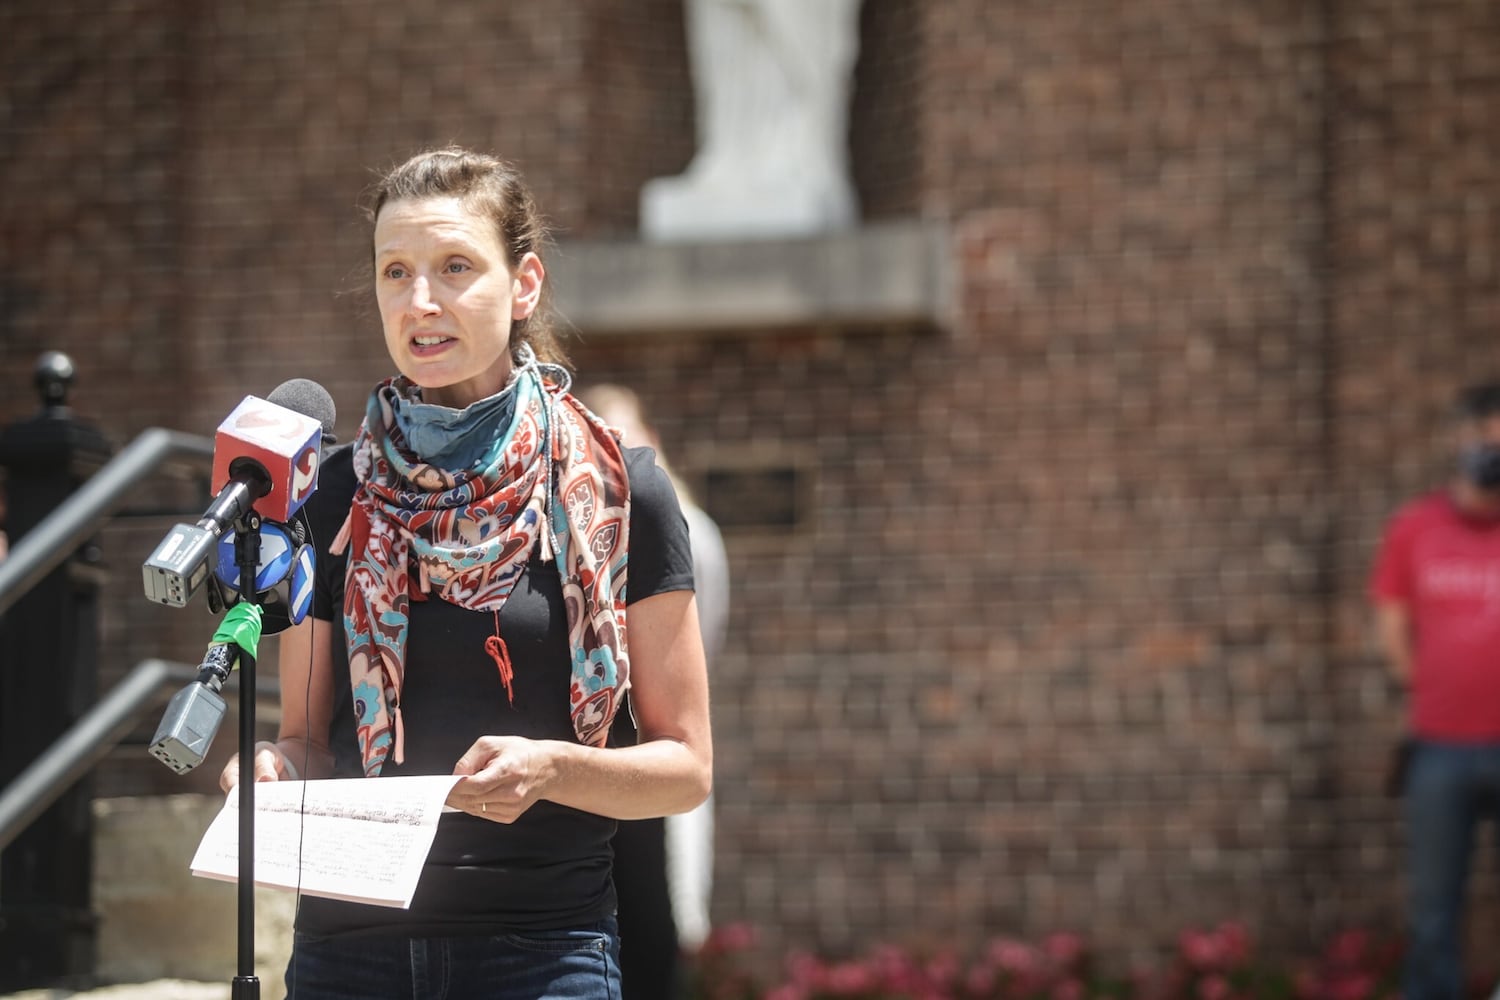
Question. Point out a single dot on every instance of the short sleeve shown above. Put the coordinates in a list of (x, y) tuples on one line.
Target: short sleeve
[(1391, 576), (660, 553)]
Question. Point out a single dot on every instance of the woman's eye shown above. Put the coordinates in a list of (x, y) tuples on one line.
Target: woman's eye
[(395, 272), (456, 267)]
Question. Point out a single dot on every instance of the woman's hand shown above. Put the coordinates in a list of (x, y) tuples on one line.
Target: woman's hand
[(669, 771), (503, 776), (270, 765)]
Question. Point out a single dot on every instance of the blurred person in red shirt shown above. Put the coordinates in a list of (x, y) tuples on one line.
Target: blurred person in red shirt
[(1436, 590)]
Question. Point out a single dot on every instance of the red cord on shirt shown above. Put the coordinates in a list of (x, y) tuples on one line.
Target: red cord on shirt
[(497, 649)]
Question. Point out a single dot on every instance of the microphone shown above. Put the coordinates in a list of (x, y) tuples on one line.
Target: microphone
[(194, 714), (283, 575), (266, 453)]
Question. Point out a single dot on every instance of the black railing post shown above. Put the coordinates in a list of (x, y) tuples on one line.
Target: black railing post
[(49, 645)]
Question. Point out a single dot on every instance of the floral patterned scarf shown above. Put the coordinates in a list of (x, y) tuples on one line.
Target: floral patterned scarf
[(555, 474)]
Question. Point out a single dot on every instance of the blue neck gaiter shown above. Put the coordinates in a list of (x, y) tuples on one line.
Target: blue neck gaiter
[(455, 439)]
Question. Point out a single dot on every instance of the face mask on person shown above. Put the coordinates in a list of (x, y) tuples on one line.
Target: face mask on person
[(456, 439), (1480, 464)]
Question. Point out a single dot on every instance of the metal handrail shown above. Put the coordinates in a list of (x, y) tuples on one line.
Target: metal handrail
[(38, 553), (91, 738), (45, 547)]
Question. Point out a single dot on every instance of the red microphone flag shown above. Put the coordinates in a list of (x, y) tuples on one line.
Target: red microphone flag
[(286, 443)]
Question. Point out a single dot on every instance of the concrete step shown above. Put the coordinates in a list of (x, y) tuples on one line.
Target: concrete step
[(162, 933)]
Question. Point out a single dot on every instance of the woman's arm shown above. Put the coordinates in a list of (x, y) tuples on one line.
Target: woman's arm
[(301, 747), (669, 771)]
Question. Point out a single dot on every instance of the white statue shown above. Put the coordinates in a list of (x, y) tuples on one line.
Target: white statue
[(772, 80)]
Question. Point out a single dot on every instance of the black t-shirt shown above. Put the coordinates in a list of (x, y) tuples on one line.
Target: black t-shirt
[(551, 867)]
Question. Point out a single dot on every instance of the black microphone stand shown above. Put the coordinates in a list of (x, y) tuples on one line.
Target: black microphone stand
[(246, 986)]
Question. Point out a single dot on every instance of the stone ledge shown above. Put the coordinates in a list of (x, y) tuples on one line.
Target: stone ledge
[(156, 919), (896, 272)]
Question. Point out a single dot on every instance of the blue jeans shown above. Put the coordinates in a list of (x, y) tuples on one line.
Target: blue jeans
[(582, 964), (1449, 788)]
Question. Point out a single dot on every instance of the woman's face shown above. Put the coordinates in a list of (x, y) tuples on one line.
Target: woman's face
[(448, 297)]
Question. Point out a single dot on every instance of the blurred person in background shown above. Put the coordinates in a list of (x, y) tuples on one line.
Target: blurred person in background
[(470, 618), (1436, 590), (665, 866)]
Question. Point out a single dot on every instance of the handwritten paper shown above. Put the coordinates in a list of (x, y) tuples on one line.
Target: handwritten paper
[(360, 839)]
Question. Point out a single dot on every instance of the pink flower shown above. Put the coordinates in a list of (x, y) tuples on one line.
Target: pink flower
[(787, 992), (737, 936), (806, 970), (1014, 957), (1202, 950), (1235, 940), (981, 980), (1213, 988), (892, 962), (1066, 949), (849, 977), (1068, 989), (943, 968), (1349, 948), (1356, 987)]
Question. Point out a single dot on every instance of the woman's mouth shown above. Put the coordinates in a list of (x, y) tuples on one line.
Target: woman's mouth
[(429, 343)]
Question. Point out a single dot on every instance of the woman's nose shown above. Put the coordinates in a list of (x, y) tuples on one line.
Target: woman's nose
[(422, 302)]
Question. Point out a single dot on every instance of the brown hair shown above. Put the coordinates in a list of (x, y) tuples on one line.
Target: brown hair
[(493, 188)]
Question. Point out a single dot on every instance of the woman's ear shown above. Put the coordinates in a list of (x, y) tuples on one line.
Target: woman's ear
[(526, 293)]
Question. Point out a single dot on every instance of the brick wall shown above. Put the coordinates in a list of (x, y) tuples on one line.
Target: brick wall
[(1072, 633), (1135, 190), (91, 249)]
